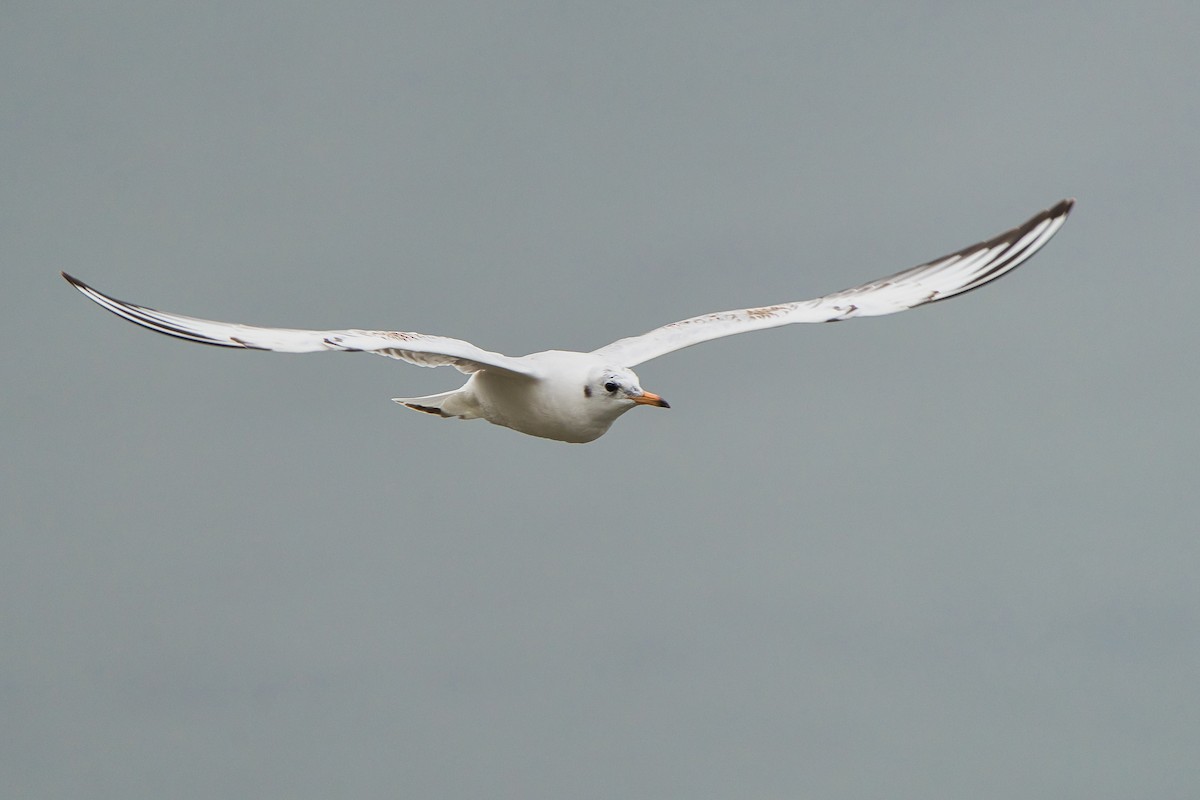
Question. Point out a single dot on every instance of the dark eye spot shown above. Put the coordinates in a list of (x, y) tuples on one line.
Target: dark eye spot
[(611, 387), (587, 390)]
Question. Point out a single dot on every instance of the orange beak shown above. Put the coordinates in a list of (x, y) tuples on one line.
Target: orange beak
[(651, 399)]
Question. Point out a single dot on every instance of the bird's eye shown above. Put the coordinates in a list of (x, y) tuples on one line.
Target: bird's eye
[(611, 386)]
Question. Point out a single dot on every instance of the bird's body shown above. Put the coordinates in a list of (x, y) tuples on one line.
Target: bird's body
[(575, 397), (563, 398)]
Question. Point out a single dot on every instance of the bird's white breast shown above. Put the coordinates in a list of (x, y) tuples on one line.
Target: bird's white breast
[(553, 405)]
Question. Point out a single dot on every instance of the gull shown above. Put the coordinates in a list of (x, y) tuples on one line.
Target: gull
[(575, 397)]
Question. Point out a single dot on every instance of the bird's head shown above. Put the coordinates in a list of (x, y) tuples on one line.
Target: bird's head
[(619, 387)]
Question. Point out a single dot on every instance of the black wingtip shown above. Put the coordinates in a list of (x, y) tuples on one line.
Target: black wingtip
[(1059, 210)]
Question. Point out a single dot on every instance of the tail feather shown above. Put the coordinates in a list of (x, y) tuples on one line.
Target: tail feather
[(446, 404)]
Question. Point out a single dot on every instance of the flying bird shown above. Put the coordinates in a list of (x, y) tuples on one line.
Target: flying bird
[(575, 397)]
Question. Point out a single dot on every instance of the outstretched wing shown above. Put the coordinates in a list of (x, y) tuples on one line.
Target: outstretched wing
[(940, 279), (415, 348)]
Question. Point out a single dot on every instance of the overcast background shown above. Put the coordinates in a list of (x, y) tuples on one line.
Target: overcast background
[(950, 553)]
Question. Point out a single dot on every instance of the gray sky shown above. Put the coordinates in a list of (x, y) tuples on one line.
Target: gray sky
[(949, 553)]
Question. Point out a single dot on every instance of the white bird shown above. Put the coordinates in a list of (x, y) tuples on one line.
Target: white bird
[(576, 397)]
